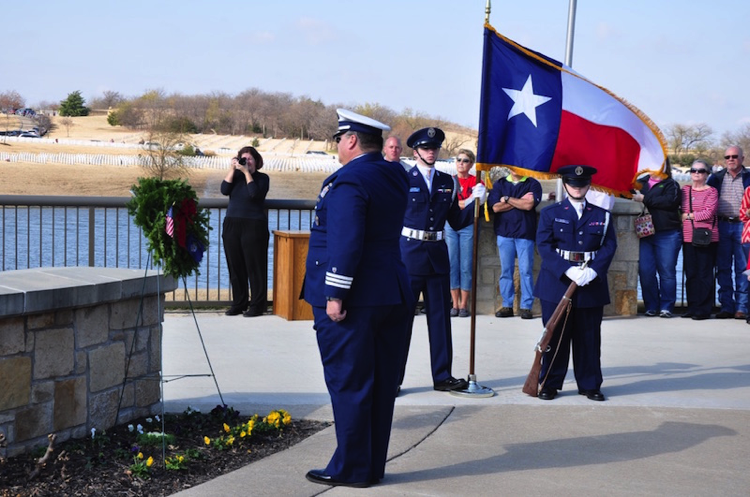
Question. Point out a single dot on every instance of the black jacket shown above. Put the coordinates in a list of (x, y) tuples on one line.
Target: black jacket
[(663, 203)]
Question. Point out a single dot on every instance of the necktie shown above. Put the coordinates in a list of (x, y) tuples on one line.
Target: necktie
[(429, 180), (579, 209)]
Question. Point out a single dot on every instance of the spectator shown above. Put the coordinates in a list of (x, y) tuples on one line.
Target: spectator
[(658, 252), (745, 218), (514, 200), (699, 207), (392, 151), (461, 242), (246, 233), (731, 184)]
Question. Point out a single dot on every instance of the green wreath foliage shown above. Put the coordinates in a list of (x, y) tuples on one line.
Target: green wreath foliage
[(153, 201)]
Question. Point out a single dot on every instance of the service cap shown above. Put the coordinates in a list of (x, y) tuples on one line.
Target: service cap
[(577, 175), (426, 138), (351, 121)]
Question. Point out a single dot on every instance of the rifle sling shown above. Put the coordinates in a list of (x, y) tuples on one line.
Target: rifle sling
[(559, 342)]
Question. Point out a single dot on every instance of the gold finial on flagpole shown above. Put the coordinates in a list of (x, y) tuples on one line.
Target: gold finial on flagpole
[(487, 9)]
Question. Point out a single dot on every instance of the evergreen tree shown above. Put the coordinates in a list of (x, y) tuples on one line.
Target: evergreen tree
[(74, 105)]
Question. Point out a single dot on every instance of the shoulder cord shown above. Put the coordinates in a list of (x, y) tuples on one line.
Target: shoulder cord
[(606, 226)]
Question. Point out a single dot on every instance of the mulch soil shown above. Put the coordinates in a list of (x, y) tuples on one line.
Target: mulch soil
[(108, 464)]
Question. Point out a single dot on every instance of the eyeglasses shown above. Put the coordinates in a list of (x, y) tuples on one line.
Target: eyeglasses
[(465, 161), (727, 157), (699, 171)]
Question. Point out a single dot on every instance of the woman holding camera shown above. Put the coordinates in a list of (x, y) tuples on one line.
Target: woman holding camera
[(699, 207), (246, 233)]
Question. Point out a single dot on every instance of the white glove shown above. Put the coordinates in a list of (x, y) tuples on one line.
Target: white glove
[(479, 193), (587, 276), (575, 273)]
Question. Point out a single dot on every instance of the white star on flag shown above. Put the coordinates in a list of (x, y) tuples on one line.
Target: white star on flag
[(524, 101)]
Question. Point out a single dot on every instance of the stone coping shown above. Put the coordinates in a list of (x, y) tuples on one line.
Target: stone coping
[(32, 291)]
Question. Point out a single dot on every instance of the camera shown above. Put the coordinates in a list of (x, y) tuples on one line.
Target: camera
[(242, 161)]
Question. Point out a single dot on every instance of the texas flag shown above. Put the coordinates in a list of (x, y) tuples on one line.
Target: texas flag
[(538, 115)]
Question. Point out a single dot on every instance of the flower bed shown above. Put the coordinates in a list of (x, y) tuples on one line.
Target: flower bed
[(127, 459)]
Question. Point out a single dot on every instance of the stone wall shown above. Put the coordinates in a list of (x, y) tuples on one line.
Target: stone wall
[(66, 338), (623, 273)]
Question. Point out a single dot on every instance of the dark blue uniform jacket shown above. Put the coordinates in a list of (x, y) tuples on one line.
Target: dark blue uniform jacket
[(430, 211), (559, 227), (361, 266)]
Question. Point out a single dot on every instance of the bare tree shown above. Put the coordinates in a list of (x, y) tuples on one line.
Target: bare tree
[(684, 138), (163, 159), (109, 100), (741, 138), (68, 123)]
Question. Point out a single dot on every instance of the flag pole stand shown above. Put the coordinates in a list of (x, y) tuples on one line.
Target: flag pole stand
[(474, 390)]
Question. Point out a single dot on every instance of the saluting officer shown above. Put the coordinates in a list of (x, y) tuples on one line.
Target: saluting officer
[(570, 233), (359, 290), (433, 202)]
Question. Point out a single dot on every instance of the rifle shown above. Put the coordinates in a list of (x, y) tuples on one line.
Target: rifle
[(531, 386)]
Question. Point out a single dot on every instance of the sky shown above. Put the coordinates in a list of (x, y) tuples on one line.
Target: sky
[(678, 61)]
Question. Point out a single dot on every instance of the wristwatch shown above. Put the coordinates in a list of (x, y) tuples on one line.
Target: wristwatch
[(506, 198), (332, 299)]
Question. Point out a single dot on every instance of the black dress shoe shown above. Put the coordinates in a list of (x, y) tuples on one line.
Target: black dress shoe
[(592, 395), (233, 311), (251, 313), (700, 317), (318, 476), (548, 393), (450, 384), (688, 315), (724, 315)]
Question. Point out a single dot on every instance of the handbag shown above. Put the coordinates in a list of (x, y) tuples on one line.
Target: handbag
[(701, 236), (644, 224)]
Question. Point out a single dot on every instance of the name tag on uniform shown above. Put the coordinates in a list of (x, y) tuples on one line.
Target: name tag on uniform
[(445, 190), (414, 189), (560, 220)]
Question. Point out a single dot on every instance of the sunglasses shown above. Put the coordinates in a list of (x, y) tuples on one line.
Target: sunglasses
[(727, 157), (465, 161), (699, 171)]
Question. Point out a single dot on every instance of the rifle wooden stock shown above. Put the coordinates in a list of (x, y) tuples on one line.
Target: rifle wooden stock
[(531, 386)]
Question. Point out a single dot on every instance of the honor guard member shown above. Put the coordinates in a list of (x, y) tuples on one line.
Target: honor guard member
[(359, 291), (570, 233), (433, 202)]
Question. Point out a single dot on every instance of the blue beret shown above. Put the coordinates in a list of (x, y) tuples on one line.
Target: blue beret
[(426, 137), (577, 175), (351, 121)]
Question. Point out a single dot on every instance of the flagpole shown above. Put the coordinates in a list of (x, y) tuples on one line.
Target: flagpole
[(568, 62), (474, 389)]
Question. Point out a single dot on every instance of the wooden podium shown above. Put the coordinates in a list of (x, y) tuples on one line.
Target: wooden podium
[(289, 254)]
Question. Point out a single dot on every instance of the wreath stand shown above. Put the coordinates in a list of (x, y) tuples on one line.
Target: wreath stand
[(161, 376)]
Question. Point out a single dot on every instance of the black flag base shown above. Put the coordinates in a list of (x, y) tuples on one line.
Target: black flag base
[(474, 390)]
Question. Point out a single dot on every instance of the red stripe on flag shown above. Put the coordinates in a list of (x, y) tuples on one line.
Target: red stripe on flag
[(611, 150)]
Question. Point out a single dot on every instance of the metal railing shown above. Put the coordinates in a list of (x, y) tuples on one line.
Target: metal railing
[(50, 231)]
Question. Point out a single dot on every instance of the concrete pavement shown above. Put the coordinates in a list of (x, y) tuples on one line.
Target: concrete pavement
[(676, 420)]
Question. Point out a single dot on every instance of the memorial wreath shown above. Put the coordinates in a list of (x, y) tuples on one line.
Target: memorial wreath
[(175, 228)]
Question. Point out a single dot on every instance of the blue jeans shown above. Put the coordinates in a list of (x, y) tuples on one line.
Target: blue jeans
[(732, 298), (658, 255), (509, 248), (461, 254)]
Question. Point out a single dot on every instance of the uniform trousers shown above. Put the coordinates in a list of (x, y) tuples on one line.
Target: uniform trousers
[(435, 290), (583, 332), (361, 358), (698, 264), (246, 250)]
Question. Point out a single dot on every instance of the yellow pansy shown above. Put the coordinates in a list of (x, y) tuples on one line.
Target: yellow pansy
[(150, 461), (207, 440)]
